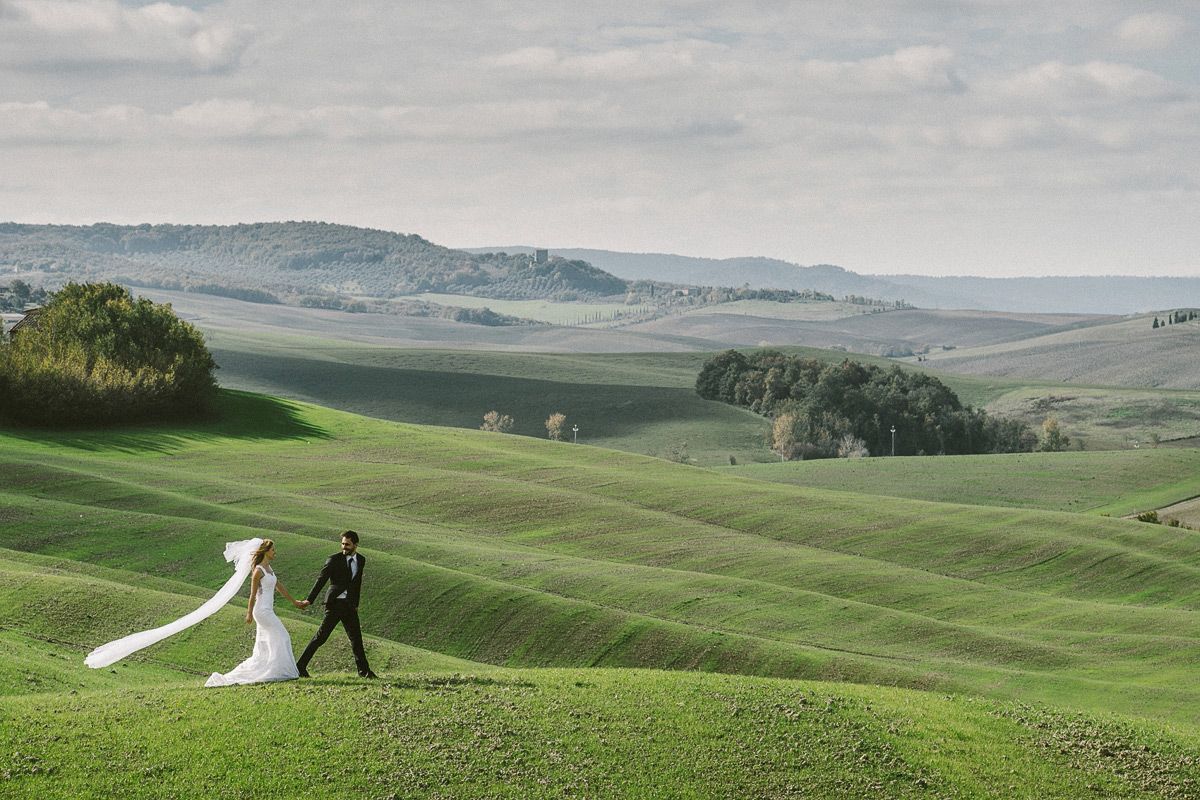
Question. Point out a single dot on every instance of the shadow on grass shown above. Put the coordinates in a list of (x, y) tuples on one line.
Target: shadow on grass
[(432, 683), (460, 399), (236, 415)]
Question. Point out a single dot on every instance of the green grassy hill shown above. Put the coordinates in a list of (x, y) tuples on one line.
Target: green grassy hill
[(521, 552), (629, 391), (1115, 483), (573, 733), (491, 555)]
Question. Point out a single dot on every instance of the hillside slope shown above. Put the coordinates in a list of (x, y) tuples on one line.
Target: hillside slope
[(1114, 483), (913, 330), (1101, 294), (573, 733), (1128, 352), (520, 552)]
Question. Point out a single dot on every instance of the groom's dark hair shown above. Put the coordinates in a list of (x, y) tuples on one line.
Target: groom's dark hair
[(351, 535)]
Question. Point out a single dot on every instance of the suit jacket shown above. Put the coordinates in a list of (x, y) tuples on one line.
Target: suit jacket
[(337, 572)]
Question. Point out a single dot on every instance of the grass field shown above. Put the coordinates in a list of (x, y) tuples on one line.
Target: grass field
[(573, 733), (1127, 352), (1107, 418), (768, 309), (630, 391), (555, 313), (491, 555), (1115, 483), (640, 403), (579, 556)]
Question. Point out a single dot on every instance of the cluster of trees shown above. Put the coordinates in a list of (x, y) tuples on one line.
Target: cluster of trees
[(97, 355), (876, 303), (824, 410), (20, 294), (1175, 317)]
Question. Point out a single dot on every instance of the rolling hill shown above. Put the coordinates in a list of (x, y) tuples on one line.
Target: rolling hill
[(289, 260), (1113, 483), (1127, 352), (902, 331), (1057, 651), (521, 552), (628, 390), (1105, 294)]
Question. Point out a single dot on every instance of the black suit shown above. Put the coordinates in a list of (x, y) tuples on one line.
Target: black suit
[(337, 609)]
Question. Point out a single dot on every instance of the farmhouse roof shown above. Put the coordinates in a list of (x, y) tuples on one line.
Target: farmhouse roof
[(27, 321)]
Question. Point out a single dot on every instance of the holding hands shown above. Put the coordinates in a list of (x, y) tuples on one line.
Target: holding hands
[(302, 604)]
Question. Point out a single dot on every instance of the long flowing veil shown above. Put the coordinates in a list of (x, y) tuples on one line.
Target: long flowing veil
[(239, 553)]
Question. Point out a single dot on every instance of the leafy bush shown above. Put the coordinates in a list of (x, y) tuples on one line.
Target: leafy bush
[(96, 355), (496, 422), (556, 424)]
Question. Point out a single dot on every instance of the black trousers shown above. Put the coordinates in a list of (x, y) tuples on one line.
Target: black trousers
[(337, 611)]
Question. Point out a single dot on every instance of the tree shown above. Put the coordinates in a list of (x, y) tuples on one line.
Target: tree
[(97, 355), (1053, 439), (556, 424), (21, 290), (824, 401), (1155, 325), (850, 446), (496, 422)]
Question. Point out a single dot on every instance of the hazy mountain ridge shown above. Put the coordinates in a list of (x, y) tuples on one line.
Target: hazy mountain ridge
[(288, 258), (1118, 294)]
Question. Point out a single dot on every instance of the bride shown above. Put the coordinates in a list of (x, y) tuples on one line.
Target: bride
[(271, 659)]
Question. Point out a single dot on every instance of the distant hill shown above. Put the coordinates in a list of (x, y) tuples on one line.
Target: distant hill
[(1127, 352), (900, 332), (1111, 294), (266, 262)]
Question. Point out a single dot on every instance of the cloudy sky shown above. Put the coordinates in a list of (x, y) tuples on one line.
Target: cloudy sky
[(995, 137)]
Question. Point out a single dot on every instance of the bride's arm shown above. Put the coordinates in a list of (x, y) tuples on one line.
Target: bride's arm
[(253, 595), (279, 587)]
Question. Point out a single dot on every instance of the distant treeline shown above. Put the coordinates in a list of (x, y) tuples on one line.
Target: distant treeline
[(1175, 317), (825, 409)]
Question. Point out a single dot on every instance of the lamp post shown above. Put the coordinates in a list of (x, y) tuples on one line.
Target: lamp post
[(575, 431), (893, 440)]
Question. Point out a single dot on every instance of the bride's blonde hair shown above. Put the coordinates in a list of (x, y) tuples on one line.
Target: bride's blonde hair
[(261, 552)]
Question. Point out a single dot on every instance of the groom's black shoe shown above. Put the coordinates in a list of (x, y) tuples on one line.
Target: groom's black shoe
[(304, 674), (367, 674)]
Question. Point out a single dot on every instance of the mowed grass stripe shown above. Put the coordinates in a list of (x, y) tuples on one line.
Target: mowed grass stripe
[(1115, 482), (708, 599)]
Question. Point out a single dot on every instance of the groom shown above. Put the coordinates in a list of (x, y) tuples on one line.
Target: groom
[(344, 572)]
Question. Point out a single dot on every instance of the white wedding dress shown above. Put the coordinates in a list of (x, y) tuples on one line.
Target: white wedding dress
[(272, 658)]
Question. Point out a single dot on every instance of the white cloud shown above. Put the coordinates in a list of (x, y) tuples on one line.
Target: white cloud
[(221, 119), (1152, 31), (646, 62), (40, 123), (1056, 82), (44, 32), (910, 68)]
